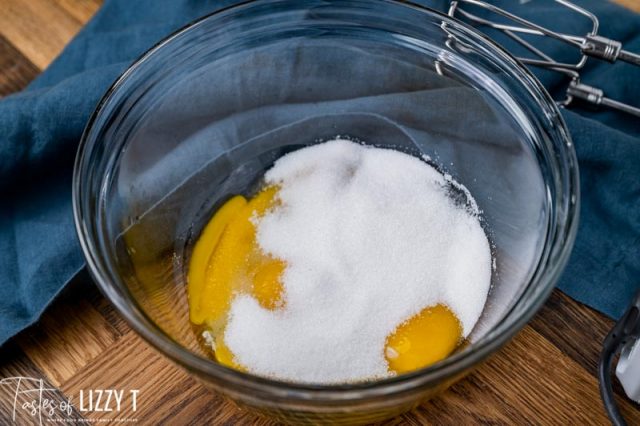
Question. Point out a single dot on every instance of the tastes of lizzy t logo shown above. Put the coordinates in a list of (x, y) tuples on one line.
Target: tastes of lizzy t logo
[(31, 398)]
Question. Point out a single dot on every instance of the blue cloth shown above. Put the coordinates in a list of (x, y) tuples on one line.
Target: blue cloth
[(40, 129)]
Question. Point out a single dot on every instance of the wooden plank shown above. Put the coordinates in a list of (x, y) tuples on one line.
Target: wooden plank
[(529, 381), (16, 71), (71, 334), (20, 384), (39, 29), (563, 322), (81, 10), (631, 4)]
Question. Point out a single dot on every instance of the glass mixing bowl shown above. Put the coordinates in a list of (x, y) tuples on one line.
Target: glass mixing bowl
[(202, 115)]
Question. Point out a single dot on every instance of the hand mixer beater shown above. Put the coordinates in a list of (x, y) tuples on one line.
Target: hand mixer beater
[(524, 32)]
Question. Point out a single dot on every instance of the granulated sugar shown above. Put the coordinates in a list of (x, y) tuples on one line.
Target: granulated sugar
[(370, 237)]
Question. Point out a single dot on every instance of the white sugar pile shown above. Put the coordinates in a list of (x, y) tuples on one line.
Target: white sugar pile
[(371, 237)]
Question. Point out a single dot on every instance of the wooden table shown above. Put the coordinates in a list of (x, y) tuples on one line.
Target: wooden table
[(546, 375)]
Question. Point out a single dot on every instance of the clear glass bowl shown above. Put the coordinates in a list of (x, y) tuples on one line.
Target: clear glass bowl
[(202, 115)]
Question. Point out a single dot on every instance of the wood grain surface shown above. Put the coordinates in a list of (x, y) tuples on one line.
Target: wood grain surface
[(546, 375)]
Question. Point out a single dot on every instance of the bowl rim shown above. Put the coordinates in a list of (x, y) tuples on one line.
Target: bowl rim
[(323, 393)]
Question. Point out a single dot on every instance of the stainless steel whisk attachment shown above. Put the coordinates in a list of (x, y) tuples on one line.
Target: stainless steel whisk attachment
[(590, 45)]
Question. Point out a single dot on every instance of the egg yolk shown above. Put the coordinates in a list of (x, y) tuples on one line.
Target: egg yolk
[(227, 260), (424, 339)]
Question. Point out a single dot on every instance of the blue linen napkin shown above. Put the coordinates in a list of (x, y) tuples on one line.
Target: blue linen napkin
[(40, 129)]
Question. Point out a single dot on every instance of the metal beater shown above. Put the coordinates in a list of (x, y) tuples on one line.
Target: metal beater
[(590, 45)]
